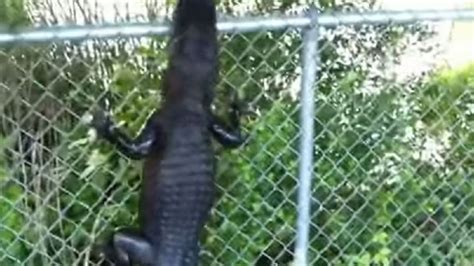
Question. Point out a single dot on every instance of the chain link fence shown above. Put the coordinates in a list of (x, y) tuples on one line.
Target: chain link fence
[(368, 161)]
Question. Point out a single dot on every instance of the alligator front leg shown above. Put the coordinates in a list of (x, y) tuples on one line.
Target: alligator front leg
[(228, 137), (138, 148), (127, 247)]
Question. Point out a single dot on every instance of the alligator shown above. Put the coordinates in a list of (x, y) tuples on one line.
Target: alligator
[(178, 187)]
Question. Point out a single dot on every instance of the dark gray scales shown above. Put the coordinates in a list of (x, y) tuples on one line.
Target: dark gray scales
[(178, 177)]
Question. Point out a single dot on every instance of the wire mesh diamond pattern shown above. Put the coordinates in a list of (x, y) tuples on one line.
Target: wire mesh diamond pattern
[(393, 148)]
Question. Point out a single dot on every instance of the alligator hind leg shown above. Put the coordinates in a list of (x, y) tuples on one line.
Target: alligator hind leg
[(126, 247)]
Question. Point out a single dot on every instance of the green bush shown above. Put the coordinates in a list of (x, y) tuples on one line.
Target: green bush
[(380, 202), (377, 198)]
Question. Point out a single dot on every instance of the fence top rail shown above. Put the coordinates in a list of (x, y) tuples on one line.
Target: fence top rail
[(71, 33)]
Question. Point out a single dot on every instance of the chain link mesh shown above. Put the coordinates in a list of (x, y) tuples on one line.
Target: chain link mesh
[(393, 148)]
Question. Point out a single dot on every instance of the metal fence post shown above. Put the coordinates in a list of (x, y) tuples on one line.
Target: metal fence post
[(309, 65)]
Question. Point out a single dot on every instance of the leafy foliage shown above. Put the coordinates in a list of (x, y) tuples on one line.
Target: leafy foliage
[(381, 196)]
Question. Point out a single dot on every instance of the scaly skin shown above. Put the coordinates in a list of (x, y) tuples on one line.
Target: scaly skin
[(178, 186)]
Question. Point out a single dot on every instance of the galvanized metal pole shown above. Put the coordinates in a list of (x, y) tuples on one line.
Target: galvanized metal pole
[(310, 59)]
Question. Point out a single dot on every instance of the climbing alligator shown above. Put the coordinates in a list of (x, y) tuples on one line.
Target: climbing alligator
[(175, 143)]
